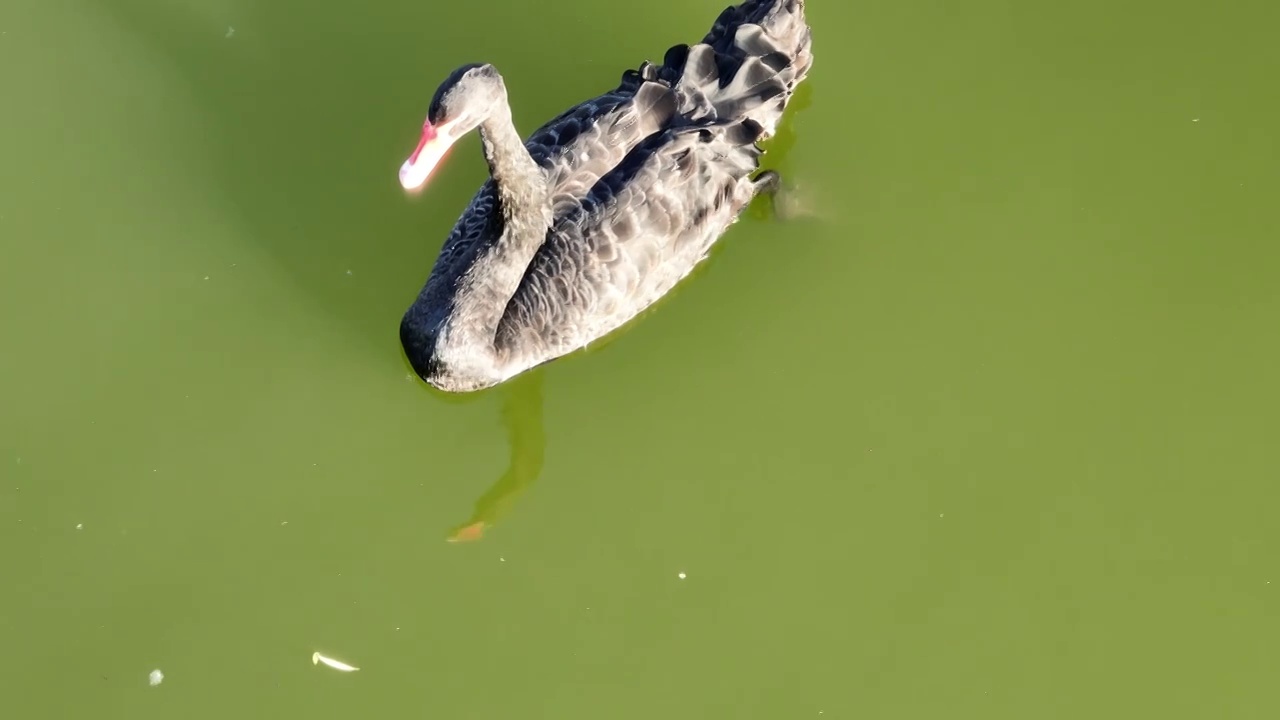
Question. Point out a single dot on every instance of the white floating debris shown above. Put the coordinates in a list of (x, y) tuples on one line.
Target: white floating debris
[(681, 576), (317, 658), (79, 526), (230, 31), (156, 677)]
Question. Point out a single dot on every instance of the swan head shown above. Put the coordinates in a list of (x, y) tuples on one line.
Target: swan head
[(461, 103)]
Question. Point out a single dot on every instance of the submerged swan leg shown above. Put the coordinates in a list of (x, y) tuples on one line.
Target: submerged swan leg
[(768, 182), (785, 202)]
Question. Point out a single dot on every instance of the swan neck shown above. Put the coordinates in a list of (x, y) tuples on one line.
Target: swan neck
[(485, 291)]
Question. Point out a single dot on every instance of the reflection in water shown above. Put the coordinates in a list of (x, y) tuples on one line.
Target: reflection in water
[(522, 416)]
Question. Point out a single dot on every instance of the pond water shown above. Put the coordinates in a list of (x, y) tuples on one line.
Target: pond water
[(986, 431)]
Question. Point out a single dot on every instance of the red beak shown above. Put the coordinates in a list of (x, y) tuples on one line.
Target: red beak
[(428, 134)]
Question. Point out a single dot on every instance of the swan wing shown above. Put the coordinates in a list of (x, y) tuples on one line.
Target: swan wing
[(640, 229)]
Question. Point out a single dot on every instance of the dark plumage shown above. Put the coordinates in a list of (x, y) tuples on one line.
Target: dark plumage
[(604, 208)]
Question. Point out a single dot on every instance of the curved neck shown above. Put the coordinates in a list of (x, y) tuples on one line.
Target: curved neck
[(485, 290), (521, 185)]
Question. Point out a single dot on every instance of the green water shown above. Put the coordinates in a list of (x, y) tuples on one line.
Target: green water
[(989, 433)]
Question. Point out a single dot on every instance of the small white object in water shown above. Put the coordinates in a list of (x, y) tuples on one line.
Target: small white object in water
[(230, 31), (156, 677), (317, 658), (79, 526), (681, 576)]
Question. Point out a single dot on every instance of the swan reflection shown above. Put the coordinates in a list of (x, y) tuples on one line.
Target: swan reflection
[(522, 417)]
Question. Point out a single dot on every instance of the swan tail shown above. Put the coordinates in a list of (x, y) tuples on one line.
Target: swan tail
[(747, 66)]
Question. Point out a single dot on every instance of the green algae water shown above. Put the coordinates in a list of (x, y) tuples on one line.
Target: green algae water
[(988, 430)]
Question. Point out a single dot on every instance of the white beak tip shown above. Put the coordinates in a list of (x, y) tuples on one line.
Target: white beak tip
[(410, 178)]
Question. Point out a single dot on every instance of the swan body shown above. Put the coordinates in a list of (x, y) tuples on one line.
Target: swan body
[(605, 208)]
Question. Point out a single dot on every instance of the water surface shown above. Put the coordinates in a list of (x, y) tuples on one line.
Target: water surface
[(989, 433)]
